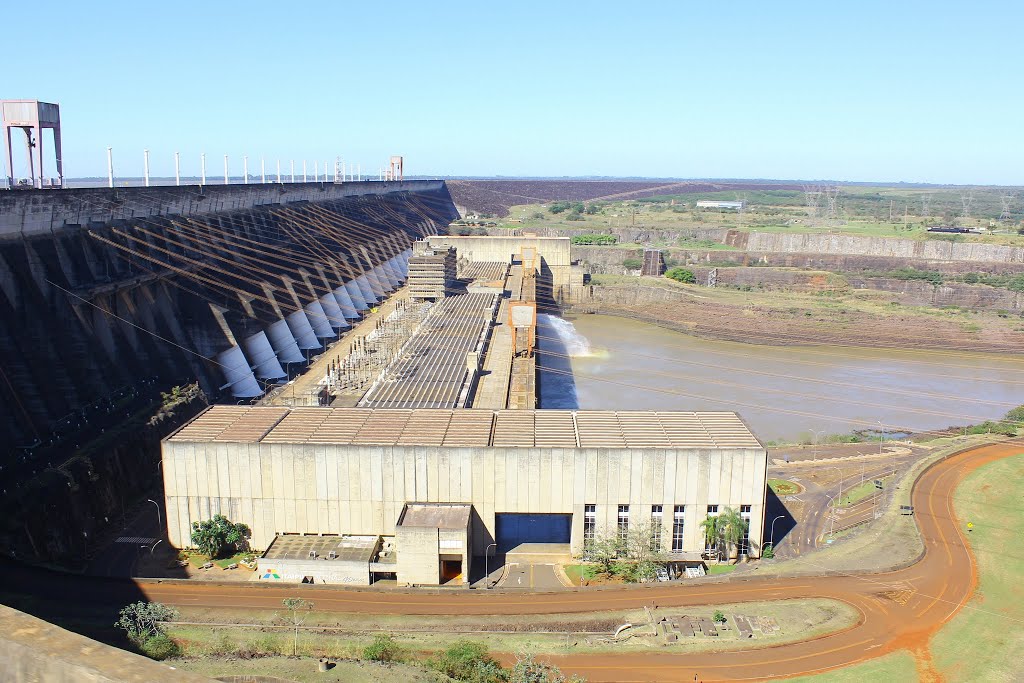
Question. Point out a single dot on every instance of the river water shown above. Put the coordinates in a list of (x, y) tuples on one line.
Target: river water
[(608, 363)]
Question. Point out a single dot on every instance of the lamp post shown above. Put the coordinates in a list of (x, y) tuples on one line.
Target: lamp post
[(487, 570), (814, 452), (881, 436), (841, 478), (158, 518), (772, 541)]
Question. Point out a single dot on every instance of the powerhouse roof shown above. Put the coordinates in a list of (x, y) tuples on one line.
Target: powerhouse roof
[(468, 428)]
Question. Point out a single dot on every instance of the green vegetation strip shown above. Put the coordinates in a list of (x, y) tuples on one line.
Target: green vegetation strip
[(985, 641)]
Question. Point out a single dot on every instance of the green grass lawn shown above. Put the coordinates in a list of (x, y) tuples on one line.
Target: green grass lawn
[(857, 493), (721, 569), (897, 667), (573, 571), (985, 640)]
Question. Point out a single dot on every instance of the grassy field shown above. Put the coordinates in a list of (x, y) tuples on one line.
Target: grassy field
[(985, 641), (897, 667), (864, 211), (304, 670)]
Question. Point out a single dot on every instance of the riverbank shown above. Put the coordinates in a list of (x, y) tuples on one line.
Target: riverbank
[(868, 319)]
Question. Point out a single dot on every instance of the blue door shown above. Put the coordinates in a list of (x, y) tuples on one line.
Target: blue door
[(516, 528)]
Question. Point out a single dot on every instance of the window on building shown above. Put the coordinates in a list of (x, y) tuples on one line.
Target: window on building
[(745, 541), (656, 524), (712, 510), (623, 523), (589, 525), (678, 519)]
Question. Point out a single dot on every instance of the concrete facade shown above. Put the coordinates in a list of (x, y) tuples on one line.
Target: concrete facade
[(362, 489)]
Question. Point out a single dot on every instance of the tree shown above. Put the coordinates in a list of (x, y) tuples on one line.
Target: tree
[(215, 536), (725, 531), (294, 605), (681, 275), (144, 620), (632, 556), (632, 263)]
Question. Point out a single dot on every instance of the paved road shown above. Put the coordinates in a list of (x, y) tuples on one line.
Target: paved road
[(899, 610)]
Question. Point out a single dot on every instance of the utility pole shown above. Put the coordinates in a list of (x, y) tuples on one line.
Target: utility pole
[(225, 169), (303, 170), (177, 168), (203, 162), (293, 170), (110, 167), (245, 169), (145, 166), (263, 170)]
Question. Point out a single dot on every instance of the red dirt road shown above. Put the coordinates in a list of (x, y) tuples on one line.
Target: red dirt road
[(899, 610)]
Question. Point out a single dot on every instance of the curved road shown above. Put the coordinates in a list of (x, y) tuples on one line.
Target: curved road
[(899, 609)]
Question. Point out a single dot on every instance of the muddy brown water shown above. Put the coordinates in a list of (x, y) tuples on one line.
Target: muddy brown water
[(783, 393)]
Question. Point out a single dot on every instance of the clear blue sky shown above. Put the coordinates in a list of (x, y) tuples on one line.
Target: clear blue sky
[(914, 91)]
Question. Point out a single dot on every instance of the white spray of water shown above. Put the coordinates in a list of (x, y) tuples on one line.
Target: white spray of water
[(576, 345)]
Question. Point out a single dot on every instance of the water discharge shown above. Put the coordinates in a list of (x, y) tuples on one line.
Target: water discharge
[(574, 343), (608, 363)]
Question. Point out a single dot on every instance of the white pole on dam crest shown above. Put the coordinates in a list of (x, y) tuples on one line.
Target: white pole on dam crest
[(145, 166), (202, 158), (245, 169), (177, 168), (110, 166), (225, 169)]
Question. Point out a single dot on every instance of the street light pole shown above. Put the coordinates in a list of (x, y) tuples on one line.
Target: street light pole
[(841, 477), (487, 571), (772, 541), (814, 452), (158, 518)]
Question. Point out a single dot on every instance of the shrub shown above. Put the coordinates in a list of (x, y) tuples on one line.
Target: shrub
[(160, 647), (681, 275), (592, 209), (575, 216), (468, 661), (1016, 415), (382, 649), (632, 263), (537, 215), (766, 552), (718, 617)]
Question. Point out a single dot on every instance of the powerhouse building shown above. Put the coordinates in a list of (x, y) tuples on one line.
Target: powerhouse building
[(416, 494)]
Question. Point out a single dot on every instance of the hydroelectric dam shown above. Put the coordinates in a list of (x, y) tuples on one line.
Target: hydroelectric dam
[(123, 311)]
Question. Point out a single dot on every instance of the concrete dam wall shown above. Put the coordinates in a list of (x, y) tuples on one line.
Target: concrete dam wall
[(110, 297)]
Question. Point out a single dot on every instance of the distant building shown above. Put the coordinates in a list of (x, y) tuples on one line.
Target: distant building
[(735, 206)]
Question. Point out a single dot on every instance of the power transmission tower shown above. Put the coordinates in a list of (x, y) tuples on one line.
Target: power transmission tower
[(812, 198), (926, 204), (967, 200), (832, 197), (1007, 202)]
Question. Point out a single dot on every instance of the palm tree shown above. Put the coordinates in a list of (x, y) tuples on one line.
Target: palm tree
[(712, 532), (725, 531), (732, 528)]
